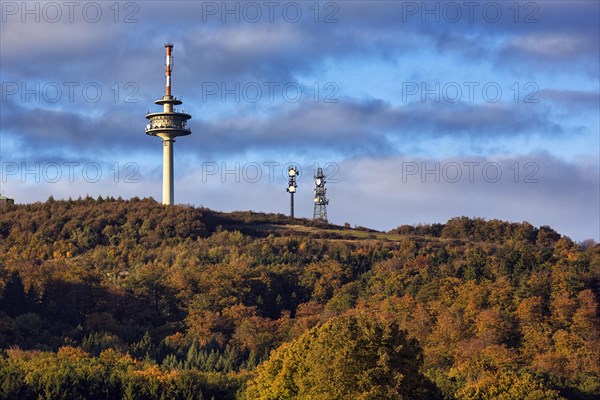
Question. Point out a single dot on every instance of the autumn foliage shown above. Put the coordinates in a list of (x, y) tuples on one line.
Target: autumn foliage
[(106, 298)]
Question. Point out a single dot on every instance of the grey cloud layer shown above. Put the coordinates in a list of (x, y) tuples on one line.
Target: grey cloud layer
[(565, 33), (349, 128)]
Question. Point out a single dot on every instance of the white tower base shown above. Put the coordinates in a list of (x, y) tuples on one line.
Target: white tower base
[(167, 196)]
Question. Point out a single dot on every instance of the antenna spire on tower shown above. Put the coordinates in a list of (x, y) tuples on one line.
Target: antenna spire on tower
[(168, 68)]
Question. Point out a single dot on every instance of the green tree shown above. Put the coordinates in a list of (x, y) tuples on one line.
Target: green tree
[(355, 357), (508, 385)]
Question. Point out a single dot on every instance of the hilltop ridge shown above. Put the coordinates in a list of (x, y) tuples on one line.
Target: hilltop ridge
[(203, 222), (167, 298)]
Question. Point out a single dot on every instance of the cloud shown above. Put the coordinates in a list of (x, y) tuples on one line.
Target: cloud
[(537, 188), (378, 192), (550, 45), (44, 130), (371, 127), (575, 101), (348, 128)]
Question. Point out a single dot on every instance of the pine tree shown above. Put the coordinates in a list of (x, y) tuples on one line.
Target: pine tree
[(14, 298)]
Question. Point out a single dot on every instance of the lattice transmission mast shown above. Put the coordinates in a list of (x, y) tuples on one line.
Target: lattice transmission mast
[(320, 210)]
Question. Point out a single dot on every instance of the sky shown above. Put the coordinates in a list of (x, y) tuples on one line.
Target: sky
[(417, 111)]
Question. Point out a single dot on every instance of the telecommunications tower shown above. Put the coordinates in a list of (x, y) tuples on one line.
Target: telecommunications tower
[(291, 189), (320, 210), (167, 125)]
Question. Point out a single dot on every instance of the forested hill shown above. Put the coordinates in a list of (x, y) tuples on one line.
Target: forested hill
[(130, 299)]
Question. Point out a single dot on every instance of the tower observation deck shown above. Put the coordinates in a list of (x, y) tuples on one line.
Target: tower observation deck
[(168, 125)]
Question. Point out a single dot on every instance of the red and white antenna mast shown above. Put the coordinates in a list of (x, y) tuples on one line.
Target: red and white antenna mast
[(168, 67)]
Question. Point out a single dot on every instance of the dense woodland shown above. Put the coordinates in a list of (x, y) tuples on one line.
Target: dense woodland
[(106, 298)]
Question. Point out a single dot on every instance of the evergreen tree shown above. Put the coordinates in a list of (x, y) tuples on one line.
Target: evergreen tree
[(14, 298)]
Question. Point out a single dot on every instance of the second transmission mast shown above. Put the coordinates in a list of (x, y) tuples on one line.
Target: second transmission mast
[(320, 210)]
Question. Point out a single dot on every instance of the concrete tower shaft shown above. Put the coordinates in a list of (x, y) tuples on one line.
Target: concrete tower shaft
[(168, 194), (168, 125)]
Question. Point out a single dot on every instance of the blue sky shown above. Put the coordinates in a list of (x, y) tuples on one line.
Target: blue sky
[(421, 111)]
